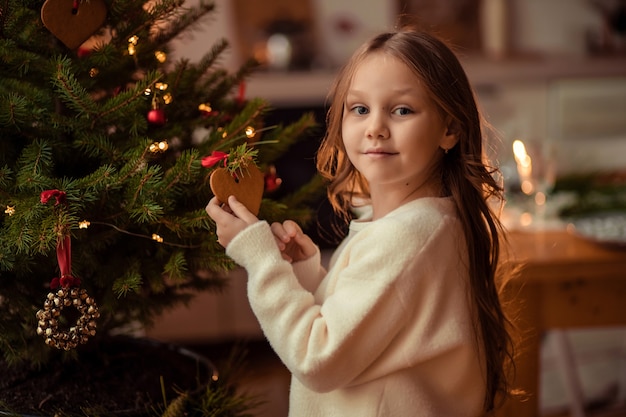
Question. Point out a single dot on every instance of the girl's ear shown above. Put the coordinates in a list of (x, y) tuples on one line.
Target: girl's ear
[(450, 138)]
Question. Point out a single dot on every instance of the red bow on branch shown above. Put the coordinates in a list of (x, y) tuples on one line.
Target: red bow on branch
[(48, 194), (214, 158)]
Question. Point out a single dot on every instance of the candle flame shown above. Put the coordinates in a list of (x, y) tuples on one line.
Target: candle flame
[(524, 166)]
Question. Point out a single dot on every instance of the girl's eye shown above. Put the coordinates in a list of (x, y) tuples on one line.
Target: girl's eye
[(360, 109), (402, 111)]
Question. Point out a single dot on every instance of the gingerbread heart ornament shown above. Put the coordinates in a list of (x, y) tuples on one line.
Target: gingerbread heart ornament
[(73, 22), (246, 185)]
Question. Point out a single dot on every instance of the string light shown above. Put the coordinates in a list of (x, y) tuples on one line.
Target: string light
[(205, 107), (160, 56), (147, 91), (154, 236), (167, 98), (10, 210), (132, 43), (83, 224), (250, 132), (159, 146), (161, 86), (93, 72)]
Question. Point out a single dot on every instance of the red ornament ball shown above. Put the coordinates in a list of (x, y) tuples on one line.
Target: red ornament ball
[(157, 117)]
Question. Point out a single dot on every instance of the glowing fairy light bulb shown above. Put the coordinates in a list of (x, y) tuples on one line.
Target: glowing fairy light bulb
[(205, 107), (160, 56), (132, 44)]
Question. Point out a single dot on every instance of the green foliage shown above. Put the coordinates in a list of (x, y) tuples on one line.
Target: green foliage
[(593, 193), (78, 124)]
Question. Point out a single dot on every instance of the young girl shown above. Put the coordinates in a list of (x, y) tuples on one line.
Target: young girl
[(407, 320)]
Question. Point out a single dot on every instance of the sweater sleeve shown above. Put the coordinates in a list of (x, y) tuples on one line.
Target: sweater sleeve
[(371, 302)]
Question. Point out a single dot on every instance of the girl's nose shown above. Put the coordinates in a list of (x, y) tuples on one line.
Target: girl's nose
[(377, 127)]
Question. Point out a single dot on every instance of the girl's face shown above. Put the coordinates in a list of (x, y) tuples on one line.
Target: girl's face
[(391, 129)]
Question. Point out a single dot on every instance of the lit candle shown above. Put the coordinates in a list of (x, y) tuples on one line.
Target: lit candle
[(524, 167)]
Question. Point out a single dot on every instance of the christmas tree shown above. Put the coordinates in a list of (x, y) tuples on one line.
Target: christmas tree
[(102, 185)]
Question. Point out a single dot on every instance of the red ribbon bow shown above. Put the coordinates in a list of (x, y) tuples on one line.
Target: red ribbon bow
[(48, 194), (214, 158), (64, 246)]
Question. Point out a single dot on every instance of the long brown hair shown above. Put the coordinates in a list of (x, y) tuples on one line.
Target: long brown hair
[(465, 176)]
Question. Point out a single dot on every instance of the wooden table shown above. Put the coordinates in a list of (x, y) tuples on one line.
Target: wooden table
[(564, 282)]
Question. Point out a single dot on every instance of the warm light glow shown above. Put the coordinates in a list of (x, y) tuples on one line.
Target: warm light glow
[(521, 156), (540, 198), (524, 166), (161, 86), (527, 187), (10, 210), (250, 132), (526, 219), (167, 98), (157, 238), (160, 56), (132, 42), (159, 146), (93, 72), (148, 91), (83, 224), (205, 107)]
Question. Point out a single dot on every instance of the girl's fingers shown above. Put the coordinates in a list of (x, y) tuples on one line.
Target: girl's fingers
[(291, 228), (280, 243), (279, 232), (215, 211), (241, 211)]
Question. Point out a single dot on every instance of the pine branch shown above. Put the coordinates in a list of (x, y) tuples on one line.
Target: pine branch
[(35, 165), (4, 11), (307, 194), (70, 90), (233, 133), (21, 62), (188, 19), (124, 100), (286, 137), (210, 58)]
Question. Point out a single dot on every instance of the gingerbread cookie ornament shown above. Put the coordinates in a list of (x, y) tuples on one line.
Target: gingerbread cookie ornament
[(239, 176), (73, 21), (246, 185)]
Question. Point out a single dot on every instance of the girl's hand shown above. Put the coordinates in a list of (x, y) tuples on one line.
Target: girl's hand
[(230, 219), (293, 243)]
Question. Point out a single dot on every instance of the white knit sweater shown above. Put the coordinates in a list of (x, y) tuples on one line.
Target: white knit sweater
[(387, 331)]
